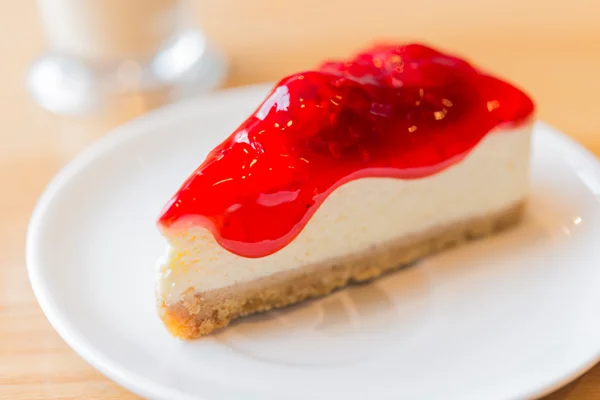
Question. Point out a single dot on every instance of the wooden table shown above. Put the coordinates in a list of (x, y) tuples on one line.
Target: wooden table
[(551, 48)]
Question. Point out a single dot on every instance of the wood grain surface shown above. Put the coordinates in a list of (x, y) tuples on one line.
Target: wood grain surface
[(552, 49)]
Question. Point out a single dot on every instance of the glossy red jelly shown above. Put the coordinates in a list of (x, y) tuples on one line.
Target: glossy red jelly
[(393, 111)]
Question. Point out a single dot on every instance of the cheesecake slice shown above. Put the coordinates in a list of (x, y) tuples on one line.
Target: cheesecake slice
[(343, 173)]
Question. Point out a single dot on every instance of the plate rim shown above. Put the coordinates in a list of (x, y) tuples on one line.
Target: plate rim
[(134, 128)]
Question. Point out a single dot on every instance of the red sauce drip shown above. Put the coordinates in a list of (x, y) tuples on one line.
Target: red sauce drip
[(392, 111)]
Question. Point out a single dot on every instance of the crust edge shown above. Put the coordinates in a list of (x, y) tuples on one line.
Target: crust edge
[(200, 313)]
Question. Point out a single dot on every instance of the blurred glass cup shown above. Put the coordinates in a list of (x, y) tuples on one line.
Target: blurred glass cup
[(98, 49)]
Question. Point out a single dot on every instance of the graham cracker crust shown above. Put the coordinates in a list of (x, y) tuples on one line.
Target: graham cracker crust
[(199, 314)]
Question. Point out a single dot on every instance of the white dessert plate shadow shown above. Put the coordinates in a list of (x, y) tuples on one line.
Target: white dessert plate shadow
[(513, 316)]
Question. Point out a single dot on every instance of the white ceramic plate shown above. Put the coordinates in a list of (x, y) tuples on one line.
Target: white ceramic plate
[(513, 316)]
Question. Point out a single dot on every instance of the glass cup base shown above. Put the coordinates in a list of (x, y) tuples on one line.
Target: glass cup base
[(185, 65)]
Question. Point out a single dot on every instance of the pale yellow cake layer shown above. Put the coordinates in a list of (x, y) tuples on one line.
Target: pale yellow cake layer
[(357, 216), (199, 313)]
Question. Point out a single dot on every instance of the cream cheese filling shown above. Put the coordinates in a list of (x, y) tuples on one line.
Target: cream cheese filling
[(357, 215)]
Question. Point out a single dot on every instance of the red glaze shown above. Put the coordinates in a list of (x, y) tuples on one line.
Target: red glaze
[(393, 111)]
